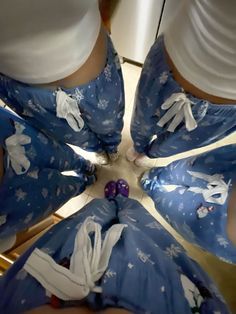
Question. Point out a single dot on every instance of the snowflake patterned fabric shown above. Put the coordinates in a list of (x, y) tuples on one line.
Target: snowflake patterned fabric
[(89, 116), (33, 185), (166, 121), (193, 195), (147, 272)]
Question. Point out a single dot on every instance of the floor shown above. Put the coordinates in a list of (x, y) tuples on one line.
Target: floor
[(224, 274)]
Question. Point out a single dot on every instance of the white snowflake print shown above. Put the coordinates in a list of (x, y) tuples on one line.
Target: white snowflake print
[(28, 218), (107, 122), (78, 95), (144, 257), (31, 152), (186, 138), (23, 301), (21, 275), (44, 192), (162, 289), (154, 225), (173, 251), (103, 104), (181, 207), (35, 107), (20, 195), (33, 174), (50, 175), (130, 265), (3, 219), (109, 274), (42, 139), (203, 110), (222, 241), (163, 77), (107, 73)]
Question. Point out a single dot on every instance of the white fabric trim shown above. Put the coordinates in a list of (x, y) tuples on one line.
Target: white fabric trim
[(179, 109), (215, 186), (67, 108), (16, 151), (87, 265)]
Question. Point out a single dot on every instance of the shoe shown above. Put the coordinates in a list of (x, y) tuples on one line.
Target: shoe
[(113, 156), (110, 190), (102, 158), (122, 187)]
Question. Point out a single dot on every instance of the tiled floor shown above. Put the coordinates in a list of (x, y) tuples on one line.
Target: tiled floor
[(224, 274)]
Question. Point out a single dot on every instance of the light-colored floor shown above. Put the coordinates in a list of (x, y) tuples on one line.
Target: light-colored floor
[(224, 274)]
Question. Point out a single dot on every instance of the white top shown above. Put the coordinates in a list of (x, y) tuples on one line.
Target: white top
[(42, 41), (201, 41)]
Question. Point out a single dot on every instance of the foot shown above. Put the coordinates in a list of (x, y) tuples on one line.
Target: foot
[(102, 158), (110, 190), (131, 154), (113, 156), (122, 187)]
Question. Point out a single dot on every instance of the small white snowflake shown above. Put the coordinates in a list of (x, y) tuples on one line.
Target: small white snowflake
[(103, 104), (144, 257), (130, 265), (78, 95), (107, 73), (173, 251), (222, 241), (107, 122), (154, 225), (110, 274), (28, 218), (20, 195), (163, 77)]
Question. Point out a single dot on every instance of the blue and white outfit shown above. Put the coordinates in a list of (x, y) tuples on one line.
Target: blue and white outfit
[(33, 185), (166, 120), (117, 255), (193, 195), (89, 116)]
